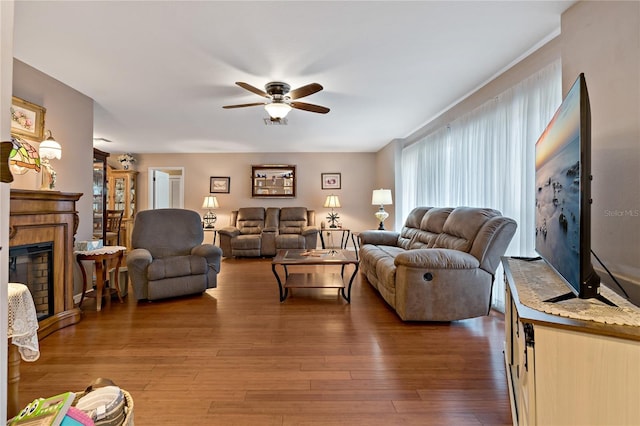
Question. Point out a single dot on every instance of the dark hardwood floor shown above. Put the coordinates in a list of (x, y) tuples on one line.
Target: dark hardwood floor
[(237, 356)]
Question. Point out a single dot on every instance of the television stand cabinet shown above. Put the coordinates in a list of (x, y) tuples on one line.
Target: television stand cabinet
[(564, 371)]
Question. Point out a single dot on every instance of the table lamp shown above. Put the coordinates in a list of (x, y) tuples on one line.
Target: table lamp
[(210, 203), (381, 197), (332, 202)]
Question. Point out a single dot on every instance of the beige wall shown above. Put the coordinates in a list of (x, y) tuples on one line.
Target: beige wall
[(357, 172), (69, 115), (387, 169), (602, 40)]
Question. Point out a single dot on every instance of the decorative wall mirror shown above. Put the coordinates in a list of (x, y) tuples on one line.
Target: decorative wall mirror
[(273, 181)]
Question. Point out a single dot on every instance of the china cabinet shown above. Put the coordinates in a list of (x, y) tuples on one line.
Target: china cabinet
[(99, 193), (273, 181), (122, 192)]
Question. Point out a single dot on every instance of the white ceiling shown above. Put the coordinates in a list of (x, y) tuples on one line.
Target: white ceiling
[(160, 72)]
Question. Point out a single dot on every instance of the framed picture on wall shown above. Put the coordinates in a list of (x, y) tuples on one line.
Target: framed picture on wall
[(219, 185), (273, 181), (331, 181), (27, 119)]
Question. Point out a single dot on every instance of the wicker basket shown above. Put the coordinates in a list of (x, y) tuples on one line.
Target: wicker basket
[(128, 406)]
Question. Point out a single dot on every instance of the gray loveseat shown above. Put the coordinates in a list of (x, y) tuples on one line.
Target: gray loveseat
[(441, 266), (259, 231), (168, 257)]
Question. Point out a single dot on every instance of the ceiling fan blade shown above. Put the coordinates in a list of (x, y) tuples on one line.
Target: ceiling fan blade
[(252, 89), (310, 107), (243, 105), (303, 91)]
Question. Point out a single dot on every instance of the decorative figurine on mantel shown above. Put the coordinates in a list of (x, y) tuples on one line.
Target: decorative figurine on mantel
[(127, 161)]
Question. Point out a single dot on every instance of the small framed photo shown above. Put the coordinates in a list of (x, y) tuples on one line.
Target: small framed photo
[(219, 185), (331, 181), (27, 119)]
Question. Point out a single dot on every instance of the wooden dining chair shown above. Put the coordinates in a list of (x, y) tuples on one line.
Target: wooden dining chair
[(114, 221)]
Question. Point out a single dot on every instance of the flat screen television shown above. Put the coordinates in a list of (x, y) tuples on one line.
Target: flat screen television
[(563, 195)]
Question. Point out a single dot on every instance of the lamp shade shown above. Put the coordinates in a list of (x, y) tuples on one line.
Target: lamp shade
[(49, 148), (210, 202), (277, 109), (332, 201), (381, 197)]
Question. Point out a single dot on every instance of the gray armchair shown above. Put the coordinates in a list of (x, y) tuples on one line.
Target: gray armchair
[(168, 258)]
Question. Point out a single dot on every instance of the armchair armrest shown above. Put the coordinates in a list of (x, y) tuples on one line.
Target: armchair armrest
[(212, 253), (139, 258), (437, 258), (383, 238), (137, 262), (270, 229)]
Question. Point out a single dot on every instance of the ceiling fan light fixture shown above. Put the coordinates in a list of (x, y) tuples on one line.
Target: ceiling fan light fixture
[(277, 109)]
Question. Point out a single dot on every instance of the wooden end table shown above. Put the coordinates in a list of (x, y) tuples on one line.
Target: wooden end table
[(104, 258), (301, 257)]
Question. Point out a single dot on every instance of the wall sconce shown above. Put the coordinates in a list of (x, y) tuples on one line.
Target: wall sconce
[(48, 150), (381, 197), (332, 202), (210, 218)]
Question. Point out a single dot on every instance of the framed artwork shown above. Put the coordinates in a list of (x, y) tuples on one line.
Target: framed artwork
[(273, 181), (219, 185), (331, 181), (27, 119)]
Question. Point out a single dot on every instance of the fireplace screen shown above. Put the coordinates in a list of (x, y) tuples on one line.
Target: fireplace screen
[(32, 265)]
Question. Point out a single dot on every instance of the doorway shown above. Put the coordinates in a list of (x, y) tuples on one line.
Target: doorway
[(166, 187)]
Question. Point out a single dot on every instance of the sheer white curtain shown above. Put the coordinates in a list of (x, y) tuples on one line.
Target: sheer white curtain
[(486, 158)]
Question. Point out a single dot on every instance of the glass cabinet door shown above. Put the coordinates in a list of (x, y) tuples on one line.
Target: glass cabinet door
[(119, 193), (99, 193)]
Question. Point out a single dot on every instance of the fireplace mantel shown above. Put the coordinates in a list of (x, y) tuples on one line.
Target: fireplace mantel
[(43, 216)]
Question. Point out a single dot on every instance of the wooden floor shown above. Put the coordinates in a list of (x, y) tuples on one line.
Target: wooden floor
[(237, 356)]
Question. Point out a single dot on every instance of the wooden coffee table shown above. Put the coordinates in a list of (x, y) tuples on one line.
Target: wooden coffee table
[(299, 257)]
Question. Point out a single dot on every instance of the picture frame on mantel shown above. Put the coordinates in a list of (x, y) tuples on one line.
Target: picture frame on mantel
[(331, 180), (27, 119), (219, 185)]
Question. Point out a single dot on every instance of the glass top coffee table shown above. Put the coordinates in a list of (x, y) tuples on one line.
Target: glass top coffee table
[(299, 257)]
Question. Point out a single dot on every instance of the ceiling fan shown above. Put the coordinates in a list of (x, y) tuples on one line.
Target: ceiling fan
[(281, 98)]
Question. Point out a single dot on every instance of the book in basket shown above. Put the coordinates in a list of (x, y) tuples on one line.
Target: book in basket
[(44, 411)]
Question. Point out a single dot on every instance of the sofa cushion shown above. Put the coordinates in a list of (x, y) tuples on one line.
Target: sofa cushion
[(292, 220), (250, 220), (411, 227), (431, 227), (152, 232), (462, 226), (246, 242), (177, 266), (290, 241)]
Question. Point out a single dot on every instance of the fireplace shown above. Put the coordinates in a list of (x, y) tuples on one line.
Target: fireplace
[(32, 265), (38, 219)]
